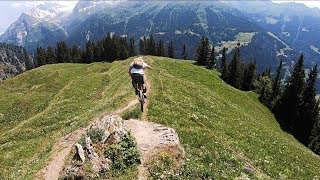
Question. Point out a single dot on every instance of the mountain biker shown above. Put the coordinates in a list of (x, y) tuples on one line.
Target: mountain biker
[(136, 71)]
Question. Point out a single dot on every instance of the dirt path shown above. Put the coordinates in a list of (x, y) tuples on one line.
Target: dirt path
[(146, 105), (62, 148)]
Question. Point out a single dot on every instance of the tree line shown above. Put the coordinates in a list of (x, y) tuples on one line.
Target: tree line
[(108, 49), (236, 73), (294, 104)]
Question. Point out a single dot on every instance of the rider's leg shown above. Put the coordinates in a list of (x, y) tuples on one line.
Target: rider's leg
[(135, 86), (144, 85)]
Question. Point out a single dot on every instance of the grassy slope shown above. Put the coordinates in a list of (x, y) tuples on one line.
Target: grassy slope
[(40, 106), (43, 105), (205, 112)]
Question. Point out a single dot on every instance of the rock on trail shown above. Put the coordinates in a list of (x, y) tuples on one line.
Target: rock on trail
[(152, 139)]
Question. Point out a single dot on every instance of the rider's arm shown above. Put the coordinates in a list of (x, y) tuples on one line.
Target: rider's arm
[(130, 70), (146, 66)]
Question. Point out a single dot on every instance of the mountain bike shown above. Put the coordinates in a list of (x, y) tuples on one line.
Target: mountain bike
[(141, 95)]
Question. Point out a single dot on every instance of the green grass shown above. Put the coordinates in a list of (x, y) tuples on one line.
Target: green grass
[(40, 106), (244, 37), (222, 128), (132, 113)]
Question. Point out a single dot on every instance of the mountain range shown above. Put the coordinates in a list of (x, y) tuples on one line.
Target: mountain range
[(266, 31)]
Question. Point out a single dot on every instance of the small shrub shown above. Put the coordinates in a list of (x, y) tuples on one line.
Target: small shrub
[(95, 134), (165, 166), (82, 141), (124, 154)]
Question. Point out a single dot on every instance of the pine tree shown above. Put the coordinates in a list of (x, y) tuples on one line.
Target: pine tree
[(314, 144), (123, 53), (107, 53), (249, 76), (62, 52), (76, 54), (160, 49), (286, 109), (235, 70), (212, 59), (98, 51), (184, 54), (114, 46), (51, 57), (41, 56), (132, 48), (28, 60), (307, 109), (151, 46), (203, 52), (276, 84), (89, 52), (264, 88), (170, 50), (142, 46), (267, 72), (224, 66)]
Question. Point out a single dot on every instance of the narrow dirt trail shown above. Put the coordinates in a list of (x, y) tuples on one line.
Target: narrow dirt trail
[(62, 148), (146, 105)]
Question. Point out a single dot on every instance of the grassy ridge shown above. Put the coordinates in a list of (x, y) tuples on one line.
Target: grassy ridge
[(43, 105), (210, 116)]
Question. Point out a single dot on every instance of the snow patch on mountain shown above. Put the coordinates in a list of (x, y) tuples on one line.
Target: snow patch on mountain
[(315, 49), (271, 20), (89, 7), (305, 29), (50, 12), (286, 34)]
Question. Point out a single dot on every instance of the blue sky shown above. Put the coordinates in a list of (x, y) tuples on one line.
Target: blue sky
[(11, 10)]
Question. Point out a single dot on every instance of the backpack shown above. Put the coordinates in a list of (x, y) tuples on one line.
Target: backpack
[(137, 66)]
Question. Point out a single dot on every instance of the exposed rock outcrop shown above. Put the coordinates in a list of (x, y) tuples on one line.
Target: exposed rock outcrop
[(13, 61)]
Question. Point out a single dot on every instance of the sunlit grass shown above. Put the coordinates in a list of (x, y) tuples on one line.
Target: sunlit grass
[(222, 128), (41, 106)]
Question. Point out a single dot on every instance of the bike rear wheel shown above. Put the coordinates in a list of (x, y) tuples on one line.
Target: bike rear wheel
[(141, 98)]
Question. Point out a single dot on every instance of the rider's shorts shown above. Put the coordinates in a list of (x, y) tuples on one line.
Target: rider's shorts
[(137, 78)]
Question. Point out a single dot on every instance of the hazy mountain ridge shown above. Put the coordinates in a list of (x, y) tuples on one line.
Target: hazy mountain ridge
[(41, 26), (182, 22), (294, 23)]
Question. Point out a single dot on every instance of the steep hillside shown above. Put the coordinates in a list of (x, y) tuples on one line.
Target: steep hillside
[(42, 105), (226, 133)]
